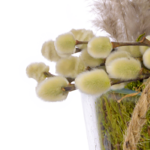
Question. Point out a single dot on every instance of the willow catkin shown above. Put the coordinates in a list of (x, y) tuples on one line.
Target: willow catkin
[(124, 68), (118, 86), (51, 89), (144, 48), (94, 82), (35, 71), (49, 52), (82, 35), (70, 66), (65, 44), (99, 47), (133, 50), (89, 60), (146, 58), (116, 54)]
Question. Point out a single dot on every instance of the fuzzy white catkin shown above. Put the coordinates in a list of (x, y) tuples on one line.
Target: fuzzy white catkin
[(116, 54), (144, 48), (99, 47), (146, 58), (51, 89), (49, 52), (65, 44), (133, 50), (82, 35), (35, 71), (94, 82), (124, 68), (118, 86), (89, 60), (70, 67)]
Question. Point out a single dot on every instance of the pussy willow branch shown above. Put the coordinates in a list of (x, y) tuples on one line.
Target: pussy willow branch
[(48, 74), (71, 87), (143, 42), (146, 76)]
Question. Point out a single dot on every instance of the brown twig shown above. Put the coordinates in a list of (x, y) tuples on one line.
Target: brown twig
[(143, 42), (72, 87), (81, 42), (146, 76), (78, 50), (48, 74), (69, 88)]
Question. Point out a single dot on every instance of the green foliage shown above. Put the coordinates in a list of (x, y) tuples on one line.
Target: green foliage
[(140, 37), (136, 85)]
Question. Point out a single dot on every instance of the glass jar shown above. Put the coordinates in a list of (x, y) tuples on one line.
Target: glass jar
[(107, 120)]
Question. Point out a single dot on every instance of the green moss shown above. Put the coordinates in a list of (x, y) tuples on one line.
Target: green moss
[(113, 119), (135, 85)]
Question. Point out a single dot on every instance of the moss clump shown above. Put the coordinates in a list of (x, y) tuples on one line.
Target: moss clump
[(113, 119), (135, 86)]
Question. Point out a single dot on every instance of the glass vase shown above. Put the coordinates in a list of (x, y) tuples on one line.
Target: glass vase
[(107, 120)]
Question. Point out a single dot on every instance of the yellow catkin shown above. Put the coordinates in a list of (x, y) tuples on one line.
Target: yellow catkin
[(51, 89)]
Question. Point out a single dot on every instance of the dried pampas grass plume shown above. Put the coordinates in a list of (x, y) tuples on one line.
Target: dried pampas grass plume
[(124, 20)]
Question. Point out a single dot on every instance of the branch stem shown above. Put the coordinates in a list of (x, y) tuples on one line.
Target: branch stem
[(146, 76), (81, 42), (48, 74), (118, 44), (71, 87), (143, 42), (78, 50)]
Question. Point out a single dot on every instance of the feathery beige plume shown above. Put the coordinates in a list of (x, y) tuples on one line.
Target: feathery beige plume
[(124, 20)]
